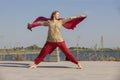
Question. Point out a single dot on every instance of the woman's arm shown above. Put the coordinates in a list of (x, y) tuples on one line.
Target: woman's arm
[(36, 24), (71, 18)]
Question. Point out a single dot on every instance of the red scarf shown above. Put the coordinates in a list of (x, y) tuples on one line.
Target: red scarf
[(68, 25)]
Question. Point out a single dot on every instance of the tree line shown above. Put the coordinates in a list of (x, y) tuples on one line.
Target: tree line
[(36, 48)]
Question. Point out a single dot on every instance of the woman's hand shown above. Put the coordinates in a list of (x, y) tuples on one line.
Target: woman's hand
[(29, 27), (73, 17), (83, 16)]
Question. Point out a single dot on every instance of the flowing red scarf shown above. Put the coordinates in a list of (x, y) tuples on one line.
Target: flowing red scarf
[(68, 25)]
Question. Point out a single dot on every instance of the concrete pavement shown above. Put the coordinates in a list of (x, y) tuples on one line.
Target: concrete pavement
[(64, 70)]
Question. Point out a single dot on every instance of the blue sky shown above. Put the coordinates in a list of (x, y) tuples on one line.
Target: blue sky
[(103, 19)]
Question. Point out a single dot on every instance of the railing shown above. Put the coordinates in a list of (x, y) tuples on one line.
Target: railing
[(82, 56)]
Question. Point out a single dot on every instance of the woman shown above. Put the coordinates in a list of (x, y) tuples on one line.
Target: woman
[(54, 38)]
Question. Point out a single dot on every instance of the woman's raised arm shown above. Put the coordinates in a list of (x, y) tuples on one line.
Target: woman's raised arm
[(36, 24), (71, 18)]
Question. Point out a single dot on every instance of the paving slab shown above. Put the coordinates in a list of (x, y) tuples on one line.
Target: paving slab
[(63, 70)]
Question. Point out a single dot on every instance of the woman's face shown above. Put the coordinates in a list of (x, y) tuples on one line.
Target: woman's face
[(57, 15)]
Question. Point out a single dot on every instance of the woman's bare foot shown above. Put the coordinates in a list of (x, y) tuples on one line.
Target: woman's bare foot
[(79, 66), (33, 66)]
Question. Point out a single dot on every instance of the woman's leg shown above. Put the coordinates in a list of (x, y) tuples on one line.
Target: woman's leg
[(47, 49), (68, 54)]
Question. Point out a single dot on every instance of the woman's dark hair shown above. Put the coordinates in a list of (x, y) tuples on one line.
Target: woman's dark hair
[(53, 13)]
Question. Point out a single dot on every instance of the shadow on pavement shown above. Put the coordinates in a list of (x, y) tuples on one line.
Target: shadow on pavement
[(53, 67), (22, 65), (25, 65)]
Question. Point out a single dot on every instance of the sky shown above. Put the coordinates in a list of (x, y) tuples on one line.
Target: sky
[(103, 19)]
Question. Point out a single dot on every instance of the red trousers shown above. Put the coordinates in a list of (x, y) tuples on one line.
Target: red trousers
[(50, 46)]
